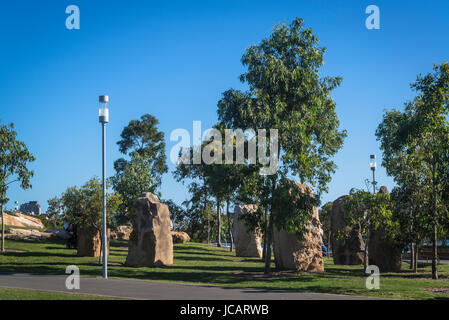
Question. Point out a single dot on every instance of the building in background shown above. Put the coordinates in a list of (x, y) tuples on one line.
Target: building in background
[(32, 208)]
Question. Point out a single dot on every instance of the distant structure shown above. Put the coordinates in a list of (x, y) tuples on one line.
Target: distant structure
[(32, 208)]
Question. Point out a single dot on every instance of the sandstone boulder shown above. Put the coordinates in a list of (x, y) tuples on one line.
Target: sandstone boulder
[(351, 250), (301, 255), (247, 243), (33, 234), (151, 242), (22, 220), (383, 251), (89, 242), (180, 237), (28, 234), (122, 233)]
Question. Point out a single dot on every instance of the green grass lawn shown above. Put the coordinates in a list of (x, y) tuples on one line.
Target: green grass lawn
[(196, 263), (21, 294)]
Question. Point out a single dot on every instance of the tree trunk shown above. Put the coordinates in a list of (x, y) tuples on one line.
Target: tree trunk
[(435, 227), (264, 252), (101, 248), (365, 253), (231, 241), (218, 224), (208, 218), (3, 227), (415, 263), (412, 255), (268, 244)]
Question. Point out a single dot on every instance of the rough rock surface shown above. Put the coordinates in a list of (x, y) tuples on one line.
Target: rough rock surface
[(22, 220), (350, 251), (89, 242), (301, 255), (33, 234), (122, 233), (383, 251), (180, 237), (247, 244), (151, 242)]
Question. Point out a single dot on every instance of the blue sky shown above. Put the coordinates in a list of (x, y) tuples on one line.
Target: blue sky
[(174, 59)]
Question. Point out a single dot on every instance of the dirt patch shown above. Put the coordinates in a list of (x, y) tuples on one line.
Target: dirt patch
[(442, 290)]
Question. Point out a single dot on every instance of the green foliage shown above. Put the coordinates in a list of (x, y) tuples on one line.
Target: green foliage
[(134, 179), (143, 137), (83, 206), (14, 159), (325, 214), (54, 211), (415, 143)]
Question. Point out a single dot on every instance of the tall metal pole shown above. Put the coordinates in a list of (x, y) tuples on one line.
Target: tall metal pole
[(374, 182), (104, 118), (105, 248)]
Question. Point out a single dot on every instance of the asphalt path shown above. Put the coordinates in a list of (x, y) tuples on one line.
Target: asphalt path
[(151, 290)]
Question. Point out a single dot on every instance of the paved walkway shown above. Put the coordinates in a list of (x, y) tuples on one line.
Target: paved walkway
[(148, 290)]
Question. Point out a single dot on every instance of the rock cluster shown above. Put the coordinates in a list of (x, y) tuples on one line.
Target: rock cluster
[(301, 255), (151, 242), (180, 237), (349, 251), (122, 233), (247, 243)]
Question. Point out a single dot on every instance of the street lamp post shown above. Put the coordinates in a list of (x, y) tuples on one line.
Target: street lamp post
[(103, 113), (372, 164)]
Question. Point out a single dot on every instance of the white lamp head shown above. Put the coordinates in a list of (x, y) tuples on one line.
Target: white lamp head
[(103, 112)]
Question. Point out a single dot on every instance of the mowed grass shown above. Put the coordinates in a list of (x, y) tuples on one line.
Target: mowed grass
[(22, 294), (196, 263)]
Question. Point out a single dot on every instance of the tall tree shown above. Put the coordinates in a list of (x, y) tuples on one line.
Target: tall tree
[(83, 207), (143, 137), (54, 210), (287, 94), (131, 181), (422, 131), (14, 159)]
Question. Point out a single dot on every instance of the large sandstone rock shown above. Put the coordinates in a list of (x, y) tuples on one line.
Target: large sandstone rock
[(301, 255), (247, 244), (89, 242), (122, 233), (151, 242), (22, 220), (382, 250), (351, 250), (33, 234), (180, 237)]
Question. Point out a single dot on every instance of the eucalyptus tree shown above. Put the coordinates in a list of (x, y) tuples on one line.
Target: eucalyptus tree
[(371, 212), (131, 181), (83, 206), (14, 159), (215, 179), (422, 131), (287, 95), (143, 138)]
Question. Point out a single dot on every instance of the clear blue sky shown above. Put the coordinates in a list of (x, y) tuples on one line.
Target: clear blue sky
[(174, 59)]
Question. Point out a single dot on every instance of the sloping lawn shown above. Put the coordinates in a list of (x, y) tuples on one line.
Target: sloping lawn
[(196, 263)]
